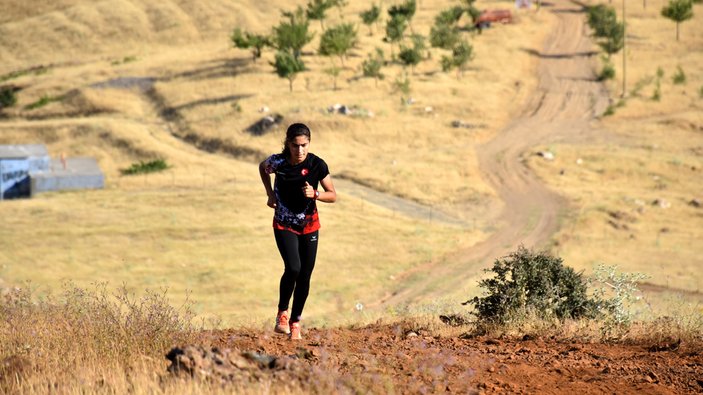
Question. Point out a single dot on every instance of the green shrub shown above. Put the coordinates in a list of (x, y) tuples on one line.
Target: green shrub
[(146, 167), (530, 283), (371, 67), (679, 77), (607, 72), (8, 98)]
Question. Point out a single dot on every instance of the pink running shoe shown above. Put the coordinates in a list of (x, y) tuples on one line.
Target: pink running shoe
[(282, 322), (295, 331)]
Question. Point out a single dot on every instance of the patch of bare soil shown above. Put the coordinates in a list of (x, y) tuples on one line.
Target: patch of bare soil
[(382, 358)]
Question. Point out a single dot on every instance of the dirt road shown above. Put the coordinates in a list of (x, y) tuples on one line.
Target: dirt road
[(561, 109)]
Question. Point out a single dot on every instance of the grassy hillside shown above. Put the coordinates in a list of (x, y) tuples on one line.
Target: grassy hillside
[(129, 77)]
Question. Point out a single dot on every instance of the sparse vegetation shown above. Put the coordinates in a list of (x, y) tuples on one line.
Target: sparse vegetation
[(37, 70), (317, 11), (8, 97), (43, 101), (607, 72), (371, 67), (679, 77), (144, 167)]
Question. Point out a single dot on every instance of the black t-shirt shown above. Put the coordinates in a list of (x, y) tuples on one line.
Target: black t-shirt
[(293, 209)]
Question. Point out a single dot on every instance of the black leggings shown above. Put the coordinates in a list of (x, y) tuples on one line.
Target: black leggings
[(298, 253)]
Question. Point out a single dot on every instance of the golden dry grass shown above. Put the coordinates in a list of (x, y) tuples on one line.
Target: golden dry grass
[(649, 150), (203, 225)]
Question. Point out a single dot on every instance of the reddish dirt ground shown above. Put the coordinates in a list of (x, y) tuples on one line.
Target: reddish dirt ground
[(384, 358)]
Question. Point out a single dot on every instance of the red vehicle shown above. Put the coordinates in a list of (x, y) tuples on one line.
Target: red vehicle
[(489, 16)]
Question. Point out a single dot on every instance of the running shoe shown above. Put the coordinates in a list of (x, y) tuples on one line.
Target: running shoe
[(295, 331), (282, 322)]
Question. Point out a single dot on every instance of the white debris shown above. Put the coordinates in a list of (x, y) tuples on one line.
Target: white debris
[(579, 161), (661, 203), (546, 155), (264, 109)]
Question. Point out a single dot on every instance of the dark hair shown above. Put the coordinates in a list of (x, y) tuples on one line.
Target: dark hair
[(294, 130)]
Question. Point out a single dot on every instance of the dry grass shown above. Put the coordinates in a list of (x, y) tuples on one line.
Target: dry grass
[(650, 150), (203, 225)]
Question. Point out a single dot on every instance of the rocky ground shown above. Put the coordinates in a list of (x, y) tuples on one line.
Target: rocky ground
[(400, 358)]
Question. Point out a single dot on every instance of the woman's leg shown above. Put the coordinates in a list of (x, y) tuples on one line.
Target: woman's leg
[(287, 243), (307, 248)]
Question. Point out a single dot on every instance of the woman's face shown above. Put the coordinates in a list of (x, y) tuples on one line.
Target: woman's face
[(298, 149)]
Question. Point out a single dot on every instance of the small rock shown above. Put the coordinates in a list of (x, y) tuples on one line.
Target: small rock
[(429, 109), (546, 155), (264, 109), (579, 161), (695, 203), (661, 203), (492, 369), (411, 334)]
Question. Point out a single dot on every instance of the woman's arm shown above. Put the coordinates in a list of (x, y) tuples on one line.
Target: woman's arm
[(266, 180), (329, 195)]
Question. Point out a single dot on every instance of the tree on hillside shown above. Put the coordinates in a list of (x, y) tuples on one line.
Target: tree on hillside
[(462, 53), (317, 11), (614, 38), (288, 66), (395, 30), (678, 11), (292, 35), (471, 10), (371, 16), (601, 17), (372, 66), (337, 41), (405, 10), (412, 56), (445, 33), (246, 40), (449, 16)]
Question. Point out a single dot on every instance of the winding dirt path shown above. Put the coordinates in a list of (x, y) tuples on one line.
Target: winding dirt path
[(561, 109)]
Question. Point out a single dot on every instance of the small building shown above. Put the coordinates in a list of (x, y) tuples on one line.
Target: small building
[(16, 162), (26, 170)]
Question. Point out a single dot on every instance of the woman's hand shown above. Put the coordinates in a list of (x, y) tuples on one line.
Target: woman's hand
[(308, 191), (272, 201)]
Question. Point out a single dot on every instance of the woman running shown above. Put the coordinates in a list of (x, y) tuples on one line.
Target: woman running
[(295, 220)]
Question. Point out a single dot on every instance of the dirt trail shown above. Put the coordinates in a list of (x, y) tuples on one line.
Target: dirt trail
[(404, 358), (561, 109)]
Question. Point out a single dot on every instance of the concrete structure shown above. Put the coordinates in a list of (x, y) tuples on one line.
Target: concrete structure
[(26, 170), (16, 163), (78, 173)]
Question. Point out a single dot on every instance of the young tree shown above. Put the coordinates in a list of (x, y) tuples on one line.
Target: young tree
[(370, 16), (372, 66), (678, 11), (405, 10), (471, 10), (461, 55), (395, 30), (412, 56), (292, 35), (246, 40), (337, 41), (444, 35), (317, 10), (449, 16), (614, 38), (288, 66)]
